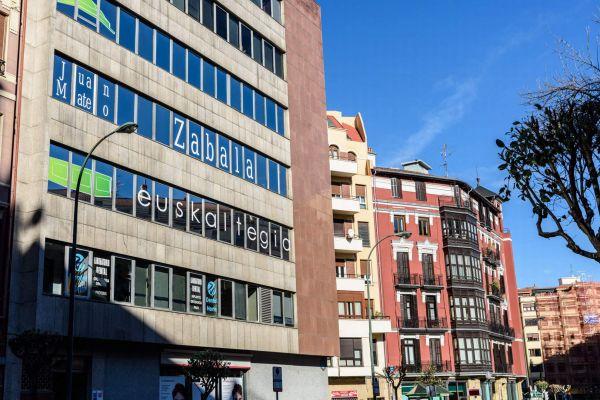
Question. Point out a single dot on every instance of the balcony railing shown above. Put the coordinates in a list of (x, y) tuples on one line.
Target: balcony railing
[(2, 67), (503, 368), (412, 368), (442, 366), (419, 366), (456, 203), (423, 323), (495, 290), (418, 280), (343, 156), (491, 256), (407, 279), (501, 329)]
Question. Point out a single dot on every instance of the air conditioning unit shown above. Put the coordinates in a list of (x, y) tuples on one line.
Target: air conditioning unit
[(350, 234)]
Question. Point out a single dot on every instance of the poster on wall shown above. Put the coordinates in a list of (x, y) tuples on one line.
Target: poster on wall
[(231, 389), (172, 388)]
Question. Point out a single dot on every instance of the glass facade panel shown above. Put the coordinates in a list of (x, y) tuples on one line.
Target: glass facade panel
[(161, 289)]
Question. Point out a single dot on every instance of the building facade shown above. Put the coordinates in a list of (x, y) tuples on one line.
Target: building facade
[(567, 323), (451, 286), (351, 162), (208, 228)]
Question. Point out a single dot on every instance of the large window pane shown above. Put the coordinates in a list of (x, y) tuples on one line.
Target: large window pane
[(85, 188), (62, 79), (279, 63), (234, 31), (223, 156), (271, 114), (88, 15), (84, 89), (178, 60), (249, 165), (108, 20), (103, 185), (83, 270), (163, 51), (144, 117), (235, 93), (251, 232), (122, 280), (58, 170), (280, 121), (263, 236), (221, 19), (269, 55), (237, 160), (179, 209), (67, 8), (162, 129), (282, 180), (127, 30), (277, 10), (125, 106), (143, 196), (261, 166), (211, 220), (161, 287), (196, 218), (54, 268), (161, 203), (207, 14), (195, 140), (273, 176), (240, 301), (142, 284), (252, 303), (246, 40), (106, 99), (212, 295), (248, 101), (257, 50), (221, 85), (239, 228), (179, 4), (277, 307), (275, 240), (259, 107), (224, 224), (226, 298), (208, 78), (193, 77), (210, 147), (288, 309), (194, 9), (124, 192), (145, 41), (179, 290)]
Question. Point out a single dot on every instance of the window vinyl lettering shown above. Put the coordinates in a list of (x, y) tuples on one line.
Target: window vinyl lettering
[(158, 48), (146, 113), (84, 89)]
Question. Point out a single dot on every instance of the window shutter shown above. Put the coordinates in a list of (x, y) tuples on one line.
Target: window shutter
[(421, 191), (346, 348), (361, 191), (364, 267), (336, 189), (266, 306), (363, 233), (345, 190)]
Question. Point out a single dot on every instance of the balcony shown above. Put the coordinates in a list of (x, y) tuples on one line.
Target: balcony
[(347, 244), (407, 280), (345, 205), (459, 204), (359, 327), (418, 367), (423, 324), (503, 368), (343, 165), (350, 283), (491, 257), (495, 291), (501, 329), (432, 281)]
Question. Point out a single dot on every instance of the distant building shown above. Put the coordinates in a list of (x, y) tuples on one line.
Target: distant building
[(450, 288), (562, 334)]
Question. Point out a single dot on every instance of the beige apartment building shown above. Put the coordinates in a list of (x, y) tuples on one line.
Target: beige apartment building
[(351, 162), (531, 334)]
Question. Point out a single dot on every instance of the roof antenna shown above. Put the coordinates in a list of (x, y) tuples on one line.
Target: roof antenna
[(445, 155), (477, 174)]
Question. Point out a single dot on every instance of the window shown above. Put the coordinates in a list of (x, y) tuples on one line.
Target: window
[(261, 164), (248, 101), (535, 352), (162, 286), (142, 284), (212, 296), (234, 31), (273, 176), (225, 224), (424, 227), (125, 106), (207, 14), (252, 303), (396, 185), (257, 50), (180, 214), (161, 203), (194, 9), (246, 40), (467, 308), (196, 293), (240, 301), (226, 290), (122, 280), (162, 128), (533, 337), (269, 57), (409, 309), (124, 191), (349, 309), (127, 30), (106, 99), (85, 192), (363, 233), (143, 204), (351, 156), (288, 309), (410, 352), (108, 24), (208, 78), (277, 307), (145, 41), (193, 69), (399, 223), (179, 301), (472, 349), (101, 276), (361, 196), (210, 217), (427, 262), (435, 351), (179, 4), (178, 60), (334, 152), (54, 268), (221, 85), (144, 117), (82, 273), (531, 321), (528, 306), (463, 265), (58, 170), (350, 352), (259, 108), (235, 93), (221, 22), (271, 114), (279, 63), (421, 191)]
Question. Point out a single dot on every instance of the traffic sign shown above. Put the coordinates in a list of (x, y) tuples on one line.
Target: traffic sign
[(277, 380)]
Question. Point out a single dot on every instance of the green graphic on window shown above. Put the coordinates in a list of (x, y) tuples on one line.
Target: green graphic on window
[(91, 8), (58, 173)]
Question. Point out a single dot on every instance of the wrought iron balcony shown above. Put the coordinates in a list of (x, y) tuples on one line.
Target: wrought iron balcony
[(423, 323), (407, 279), (501, 329), (433, 280)]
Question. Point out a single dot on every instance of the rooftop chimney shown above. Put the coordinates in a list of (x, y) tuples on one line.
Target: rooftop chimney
[(419, 166)]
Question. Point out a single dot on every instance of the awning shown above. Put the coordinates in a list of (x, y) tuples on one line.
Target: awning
[(236, 361), (344, 395)]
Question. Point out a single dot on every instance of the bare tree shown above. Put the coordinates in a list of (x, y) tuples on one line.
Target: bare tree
[(207, 368), (394, 375), (552, 156)]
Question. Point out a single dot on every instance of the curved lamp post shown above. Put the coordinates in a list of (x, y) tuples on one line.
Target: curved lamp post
[(368, 281), (128, 128)]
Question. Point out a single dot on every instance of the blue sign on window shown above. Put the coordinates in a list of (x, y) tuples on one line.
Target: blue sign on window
[(179, 133), (195, 140), (63, 73), (84, 89), (249, 165), (210, 156), (237, 160), (106, 99)]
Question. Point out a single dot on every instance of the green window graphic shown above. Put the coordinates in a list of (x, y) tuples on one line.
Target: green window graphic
[(58, 173), (91, 9)]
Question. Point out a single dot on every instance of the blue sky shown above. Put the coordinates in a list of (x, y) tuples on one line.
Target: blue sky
[(428, 73)]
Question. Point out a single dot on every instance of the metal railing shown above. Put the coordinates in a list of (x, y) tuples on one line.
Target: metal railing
[(501, 329), (456, 203), (422, 323), (407, 279), (432, 280), (2, 67)]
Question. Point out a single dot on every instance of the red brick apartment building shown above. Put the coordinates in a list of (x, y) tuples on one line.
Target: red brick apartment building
[(568, 332), (450, 288)]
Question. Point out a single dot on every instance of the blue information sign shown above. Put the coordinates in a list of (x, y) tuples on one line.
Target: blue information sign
[(277, 380)]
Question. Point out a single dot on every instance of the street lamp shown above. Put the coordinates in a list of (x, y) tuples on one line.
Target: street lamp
[(368, 281), (128, 128)]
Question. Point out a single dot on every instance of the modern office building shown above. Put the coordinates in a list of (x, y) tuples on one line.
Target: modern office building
[(351, 162), (11, 73), (450, 288), (567, 324), (209, 228)]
